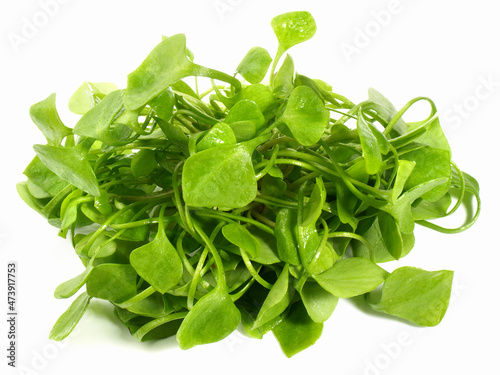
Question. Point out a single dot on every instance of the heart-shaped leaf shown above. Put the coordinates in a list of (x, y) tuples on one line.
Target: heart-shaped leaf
[(305, 116), (168, 62), (219, 176), (277, 300), (44, 115), (219, 134), (297, 331), (71, 164), (351, 277), (114, 282), (212, 318), (416, 295), (240, 236), (158, 263)]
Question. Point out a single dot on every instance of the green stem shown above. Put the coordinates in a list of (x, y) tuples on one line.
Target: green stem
[(241, 293), (269, 165), (215, 74), (355, 237), (196, 278), (177, 196), (231, 217), (400, 113), (253, 272), (459, 229), (141, 332), (221, 278), (262, 218), (137, 298)]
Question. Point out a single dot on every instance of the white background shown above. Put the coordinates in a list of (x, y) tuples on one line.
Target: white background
[(447, 50)]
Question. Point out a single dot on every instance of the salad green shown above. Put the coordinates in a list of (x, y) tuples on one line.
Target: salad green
[(254, 204)]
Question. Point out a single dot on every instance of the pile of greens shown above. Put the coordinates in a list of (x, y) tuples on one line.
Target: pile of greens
[(250, 203)]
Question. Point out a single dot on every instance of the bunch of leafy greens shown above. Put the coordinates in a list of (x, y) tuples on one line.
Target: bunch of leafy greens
[(250, 203)]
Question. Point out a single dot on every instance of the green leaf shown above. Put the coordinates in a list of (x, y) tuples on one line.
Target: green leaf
[(219, 134), (255, 64), (391, 235), (70, 318), (272, 186), (286, 238), (346, 204), (70, 287), (319, 303), (29, 199), (71, 165), (382, 141), (70, 214), (425, 210), (246, 119), (140, 233), (101, 203), (277, 300), (430, 164), (98, 122), (36, 191), (158, 263), (416, 295), (313, 207), (268, 248), (370, 230), (401, 208), (220, 176), (101, 244), (305, 116), (404, 170), (167, 63), (174, 134), (44, 115), (143, 163), (297, 331), (387, 110), (44, 178), (240, 236), (212, 318), (84, 98), (163, 104), (283, 82), (309, 242), (114, 282), (247, 321), (293, 28), (324, 258), (258, 93), (369, 145), (153, 306), (351, 277)]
